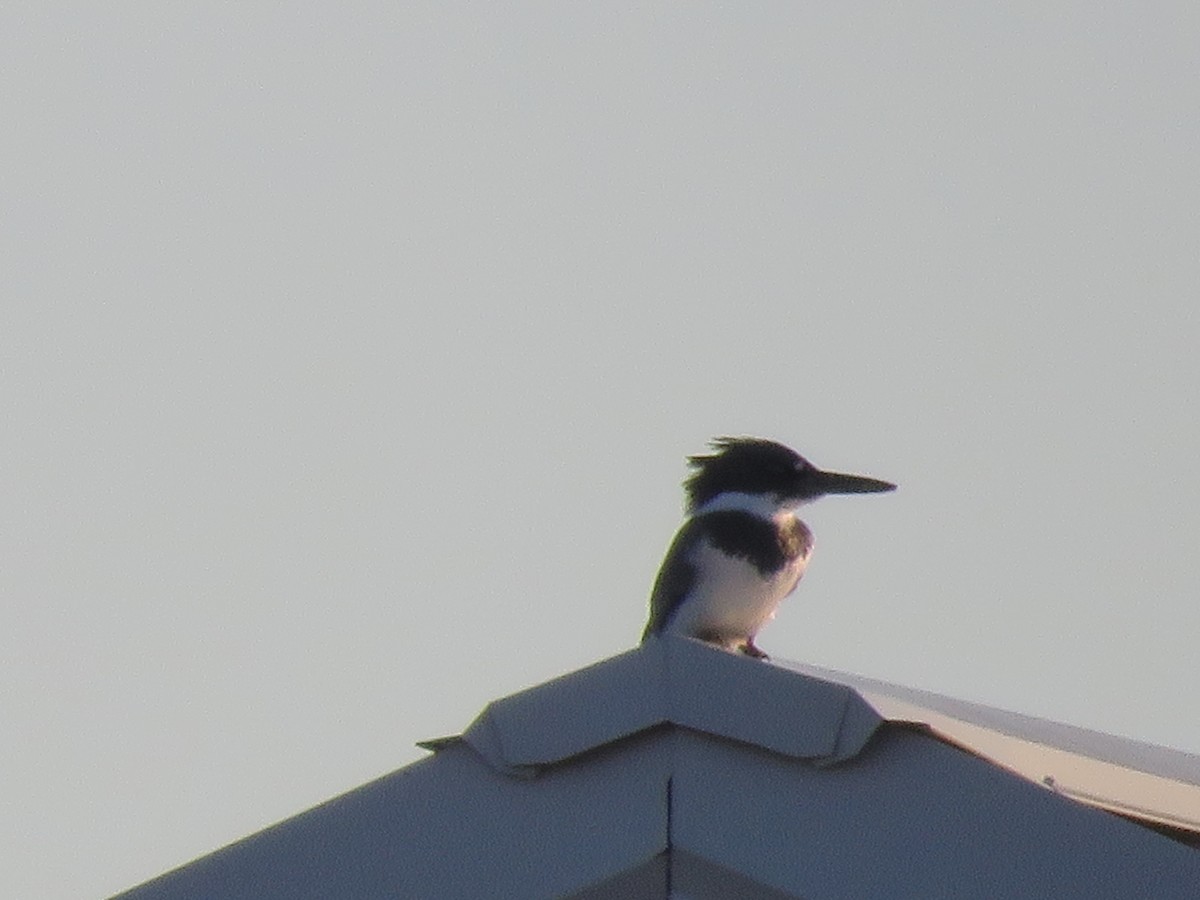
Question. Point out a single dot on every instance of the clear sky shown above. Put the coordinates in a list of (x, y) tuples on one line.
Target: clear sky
[(351, 353)]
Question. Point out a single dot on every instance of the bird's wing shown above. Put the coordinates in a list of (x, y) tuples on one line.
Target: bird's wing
[(674, 580)]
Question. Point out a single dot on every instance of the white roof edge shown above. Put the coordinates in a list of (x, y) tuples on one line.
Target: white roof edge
[(1129, 777)]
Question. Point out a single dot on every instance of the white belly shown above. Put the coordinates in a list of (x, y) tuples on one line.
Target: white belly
[(731, 600)]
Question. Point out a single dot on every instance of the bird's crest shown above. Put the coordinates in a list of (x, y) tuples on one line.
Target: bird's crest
[(749, 462)]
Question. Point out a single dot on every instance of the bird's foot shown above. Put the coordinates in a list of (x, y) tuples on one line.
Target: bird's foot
[(750, 650), (717, 639)]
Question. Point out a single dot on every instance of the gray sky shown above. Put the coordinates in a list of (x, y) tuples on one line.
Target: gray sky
[(351, 353)]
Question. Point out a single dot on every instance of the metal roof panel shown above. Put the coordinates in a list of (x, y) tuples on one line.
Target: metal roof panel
[(1131, 778)]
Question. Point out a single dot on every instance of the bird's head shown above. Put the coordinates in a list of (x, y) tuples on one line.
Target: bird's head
[(762, 468)]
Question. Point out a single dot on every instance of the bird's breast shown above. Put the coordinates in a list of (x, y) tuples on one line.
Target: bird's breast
[(731, 595)]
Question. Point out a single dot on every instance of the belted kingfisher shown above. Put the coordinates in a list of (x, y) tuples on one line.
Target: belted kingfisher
[(742, 548)]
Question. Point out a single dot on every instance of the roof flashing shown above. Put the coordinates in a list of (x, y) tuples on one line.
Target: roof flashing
[(677, 681)]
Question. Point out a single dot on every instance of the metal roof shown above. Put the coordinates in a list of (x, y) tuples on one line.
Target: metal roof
[(678, 770), (1142, 781)]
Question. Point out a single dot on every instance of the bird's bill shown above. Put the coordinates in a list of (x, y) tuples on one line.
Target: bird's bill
[(840, 483)]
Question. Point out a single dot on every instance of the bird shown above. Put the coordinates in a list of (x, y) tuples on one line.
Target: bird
[(741, 549)]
